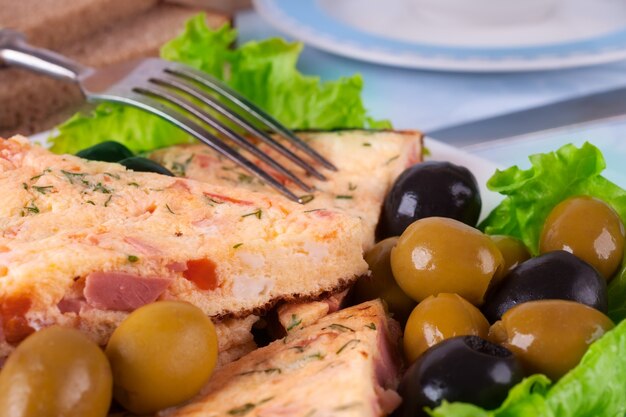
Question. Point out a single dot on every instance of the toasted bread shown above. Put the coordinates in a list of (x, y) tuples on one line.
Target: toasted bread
[(37, 101)]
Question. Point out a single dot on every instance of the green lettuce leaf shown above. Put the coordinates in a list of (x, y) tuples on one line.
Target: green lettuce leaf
[(265, 72), (525, 399), (531, 194), (617, 295), (595, 388)]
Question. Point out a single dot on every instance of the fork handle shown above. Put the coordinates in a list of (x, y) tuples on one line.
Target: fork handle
[(16, 52)]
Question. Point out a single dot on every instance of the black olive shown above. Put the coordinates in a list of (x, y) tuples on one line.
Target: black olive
[(137, 163), (464, 368), (108, 151), (430, 189), (554, 275)]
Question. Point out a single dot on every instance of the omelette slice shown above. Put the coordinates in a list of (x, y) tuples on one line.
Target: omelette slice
[(83, 243), (368, 163), (345, 365)]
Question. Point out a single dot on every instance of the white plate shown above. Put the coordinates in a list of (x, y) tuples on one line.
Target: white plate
[(577, 33), (481, 168)]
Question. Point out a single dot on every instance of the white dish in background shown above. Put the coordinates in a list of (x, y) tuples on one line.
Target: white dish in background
[(481, 168), (392, 32)]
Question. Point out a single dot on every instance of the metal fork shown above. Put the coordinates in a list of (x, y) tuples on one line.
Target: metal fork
[(164, 88)]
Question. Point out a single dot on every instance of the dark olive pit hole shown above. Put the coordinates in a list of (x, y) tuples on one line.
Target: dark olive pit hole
[(485, 347)]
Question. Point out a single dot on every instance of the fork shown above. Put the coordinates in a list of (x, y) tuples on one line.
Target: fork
[(164, 89)]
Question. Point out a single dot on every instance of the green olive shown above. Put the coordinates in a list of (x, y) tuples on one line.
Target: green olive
[(56, 372), (513, 251), (438, 254), (381, 284), (549, 336), (438, 318), (161, 355), (588, 228)]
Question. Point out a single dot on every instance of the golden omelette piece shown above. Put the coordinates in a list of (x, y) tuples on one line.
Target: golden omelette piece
[(83, 243), (368, 163), (344, 365)]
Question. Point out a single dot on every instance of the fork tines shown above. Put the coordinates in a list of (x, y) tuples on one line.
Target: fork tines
[(181, 87)]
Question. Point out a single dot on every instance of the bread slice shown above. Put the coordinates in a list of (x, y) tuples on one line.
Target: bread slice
[(368, 163), (82, 243), (31, 100), (345, 365), (53, 23)]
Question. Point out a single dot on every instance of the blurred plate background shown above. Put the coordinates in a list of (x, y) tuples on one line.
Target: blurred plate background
[(393, 32)]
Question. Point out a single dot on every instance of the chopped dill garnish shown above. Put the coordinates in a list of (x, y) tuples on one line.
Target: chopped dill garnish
[(339, 327), (344, 197), (117, 177), (238, 245), (294, 322), (307, 198), (90, 202), (246, 408), (367, 144), (213, 201), (371, 326), (262, 371), (244, 178), (45, 171), (132, 259), (393, 158), (318, 355), (25, 186), (43, 190), (101, 188), (258, 214), (71, 176), (351, 186), (169, 209), (313, 210), (348, 343), (106, 203), (31, 208), (300, 349), (133, 184), (180, 168)]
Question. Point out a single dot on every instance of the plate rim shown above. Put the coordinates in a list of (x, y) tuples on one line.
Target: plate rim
[(271, 12)]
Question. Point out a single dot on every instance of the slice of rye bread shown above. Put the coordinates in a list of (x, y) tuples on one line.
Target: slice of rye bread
[(32, 100), (53, 23), (83, 242), (368, 163), (344, 365)]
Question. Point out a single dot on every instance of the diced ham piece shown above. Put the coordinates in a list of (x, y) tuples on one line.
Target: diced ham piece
[(122, 291), (70, 305), (387, 361), (388, 400), (335, 301), (177, 266)]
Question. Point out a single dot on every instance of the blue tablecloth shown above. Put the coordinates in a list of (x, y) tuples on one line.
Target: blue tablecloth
[(428, 100)]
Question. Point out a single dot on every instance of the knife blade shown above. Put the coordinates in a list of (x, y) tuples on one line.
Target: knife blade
[(579, 110)]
